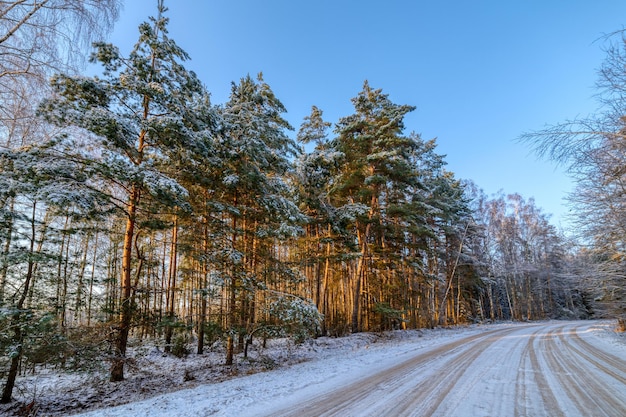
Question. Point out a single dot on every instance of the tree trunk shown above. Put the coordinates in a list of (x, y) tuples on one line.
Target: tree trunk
[(12, 375), (230, 348), (38, 250), (201, 324), (363, 239), (66, 274), (232, 294), (204, 290), (92, 279), (59, 287), (492, 311), (126, 308), (324, 308), (18, 335), (4, 267), (169, 329), (78, 303), (357, 291)]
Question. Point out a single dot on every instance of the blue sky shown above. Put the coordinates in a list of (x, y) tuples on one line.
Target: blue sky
[(481, 73)]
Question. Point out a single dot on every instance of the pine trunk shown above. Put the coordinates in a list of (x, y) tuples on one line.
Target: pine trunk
[(15, 361), (18, 335), (205, 289), (92, 279), (169, 330), (4, 268), (126, 308)]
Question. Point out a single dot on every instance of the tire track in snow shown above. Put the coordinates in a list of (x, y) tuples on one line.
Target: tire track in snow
[(578, 379), (585, 366), (401, 398), (425, 399), (530, 364), (556, 365), (609, 364), (521, 386), (484, 388)]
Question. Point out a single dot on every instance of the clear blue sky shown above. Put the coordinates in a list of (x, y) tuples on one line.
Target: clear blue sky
[(480, 72)]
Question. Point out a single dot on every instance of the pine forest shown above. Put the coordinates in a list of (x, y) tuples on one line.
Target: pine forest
[(133, 209)]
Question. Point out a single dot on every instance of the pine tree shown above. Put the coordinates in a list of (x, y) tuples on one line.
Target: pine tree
[(258, 209), (377, 162), (145, 112), (313, 177)]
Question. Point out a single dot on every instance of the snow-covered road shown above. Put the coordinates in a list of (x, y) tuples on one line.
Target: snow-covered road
[(541, 370), (544, 369)]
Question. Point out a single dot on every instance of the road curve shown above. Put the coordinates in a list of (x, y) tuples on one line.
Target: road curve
[(547, 369)]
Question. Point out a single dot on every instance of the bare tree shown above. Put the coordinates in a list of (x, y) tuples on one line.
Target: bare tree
[(38, 37), (594, 151)]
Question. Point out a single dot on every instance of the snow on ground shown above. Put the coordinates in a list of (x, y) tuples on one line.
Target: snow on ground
[(163, 385), (327, 364)]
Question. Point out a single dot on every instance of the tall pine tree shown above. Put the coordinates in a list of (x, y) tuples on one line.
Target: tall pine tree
[(259, 212), (143, 113), (377, 159)]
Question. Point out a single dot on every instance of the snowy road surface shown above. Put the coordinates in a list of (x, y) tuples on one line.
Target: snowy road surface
[(546, 369)]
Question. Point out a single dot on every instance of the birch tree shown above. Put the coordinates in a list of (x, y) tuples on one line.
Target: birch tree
[(39, 37), (592, 148)]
